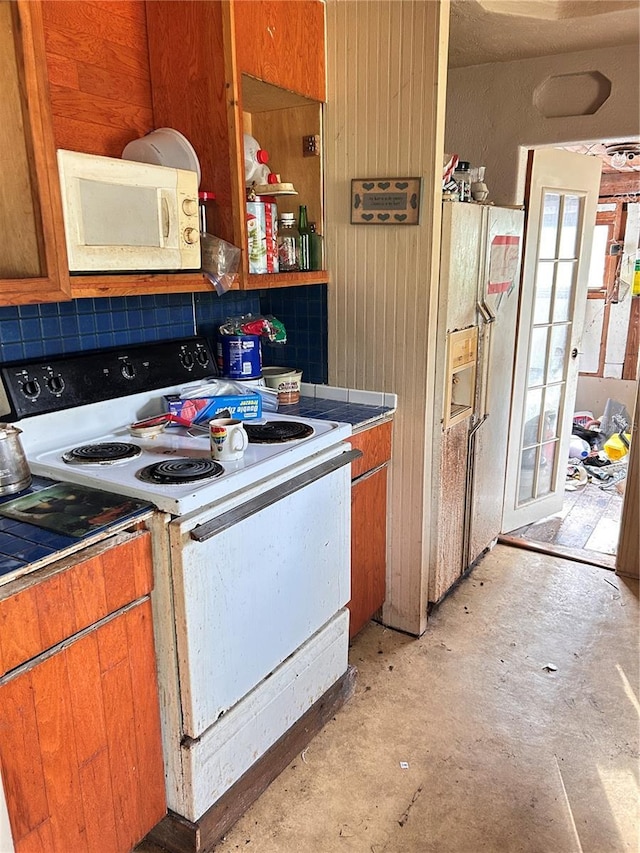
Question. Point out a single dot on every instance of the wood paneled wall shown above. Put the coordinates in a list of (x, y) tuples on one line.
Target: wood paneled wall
[(386, 81), (98, 65)]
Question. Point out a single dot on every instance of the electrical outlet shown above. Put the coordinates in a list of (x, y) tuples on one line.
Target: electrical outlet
[(311, 146)]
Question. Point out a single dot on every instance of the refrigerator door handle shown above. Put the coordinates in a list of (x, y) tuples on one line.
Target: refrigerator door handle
[(487, 314)]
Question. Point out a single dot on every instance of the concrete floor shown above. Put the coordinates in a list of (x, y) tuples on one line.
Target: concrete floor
[(511, 725)]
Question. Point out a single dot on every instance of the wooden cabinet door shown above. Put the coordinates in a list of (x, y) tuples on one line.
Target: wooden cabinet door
[(80, 745), (33, 265), (368, 547), (282, 42)]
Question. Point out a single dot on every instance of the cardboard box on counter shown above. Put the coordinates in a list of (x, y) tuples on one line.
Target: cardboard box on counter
[(243, 407)]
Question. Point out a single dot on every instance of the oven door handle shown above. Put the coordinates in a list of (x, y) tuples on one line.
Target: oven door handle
[(202, 532)]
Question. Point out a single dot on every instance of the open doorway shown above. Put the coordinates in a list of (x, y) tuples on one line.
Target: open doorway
[(588, 524)]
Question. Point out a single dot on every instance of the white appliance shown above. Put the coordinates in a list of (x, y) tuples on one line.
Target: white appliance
[(480, 261), (121, 215), (251, 567)]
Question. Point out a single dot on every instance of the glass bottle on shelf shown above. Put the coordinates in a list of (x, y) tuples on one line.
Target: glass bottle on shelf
[(288, 244), (315, 248), (303, 228)]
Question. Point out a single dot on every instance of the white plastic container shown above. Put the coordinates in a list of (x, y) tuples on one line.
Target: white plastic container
[(578, 448), (256, 158)]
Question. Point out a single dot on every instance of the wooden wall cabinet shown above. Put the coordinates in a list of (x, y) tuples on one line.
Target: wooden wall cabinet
[(220, 68), (369, 524), (80, 745), (33, 265), (92, 77)]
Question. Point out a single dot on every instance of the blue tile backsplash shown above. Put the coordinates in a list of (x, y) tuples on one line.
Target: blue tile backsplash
[(34, 331)]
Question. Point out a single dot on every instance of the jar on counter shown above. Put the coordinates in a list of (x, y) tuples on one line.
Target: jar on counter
[(288, 244), (462, 177)]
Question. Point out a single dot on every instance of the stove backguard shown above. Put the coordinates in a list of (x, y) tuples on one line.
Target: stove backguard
[(62, 382)]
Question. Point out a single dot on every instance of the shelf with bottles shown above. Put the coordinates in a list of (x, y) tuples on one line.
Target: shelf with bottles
[(287, 126)]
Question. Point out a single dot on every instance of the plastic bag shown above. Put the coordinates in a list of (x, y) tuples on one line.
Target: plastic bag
[(220, 262), (615, 419), (267, 326)]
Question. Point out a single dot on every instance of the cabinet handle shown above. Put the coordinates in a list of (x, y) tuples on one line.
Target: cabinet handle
[(202, 532)]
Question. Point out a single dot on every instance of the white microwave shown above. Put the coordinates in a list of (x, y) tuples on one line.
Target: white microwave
[(121, 215)]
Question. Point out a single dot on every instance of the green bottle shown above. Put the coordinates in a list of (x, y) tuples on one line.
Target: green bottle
[(315, 247), (305, 242)]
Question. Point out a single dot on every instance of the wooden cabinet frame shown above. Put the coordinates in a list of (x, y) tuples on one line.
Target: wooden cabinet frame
[(53, 284)]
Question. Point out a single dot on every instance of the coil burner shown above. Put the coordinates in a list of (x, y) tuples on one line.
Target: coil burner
[(275, 432), (180, 471), (106, 453)]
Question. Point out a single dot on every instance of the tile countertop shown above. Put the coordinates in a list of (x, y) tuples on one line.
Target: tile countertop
[(361, 409), (25, 547)]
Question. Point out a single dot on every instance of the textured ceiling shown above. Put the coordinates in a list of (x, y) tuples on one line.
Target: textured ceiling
[(503, 30)]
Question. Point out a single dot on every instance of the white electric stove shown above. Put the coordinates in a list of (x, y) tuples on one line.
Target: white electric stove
[(251, 565)]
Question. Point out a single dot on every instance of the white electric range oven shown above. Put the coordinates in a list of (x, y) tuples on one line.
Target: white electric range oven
[(251, 559)]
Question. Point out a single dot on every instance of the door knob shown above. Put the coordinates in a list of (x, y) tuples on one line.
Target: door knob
[(575, 352)]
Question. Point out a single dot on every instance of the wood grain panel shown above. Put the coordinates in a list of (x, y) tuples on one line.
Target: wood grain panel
[(85, 694), (19, 258), (117, 696), (192, 91), (282, 42), (88, 591), (375, 444), (112, 644), (22, 772), (50, 281), (98, 65), (368, 548), (38, 841), (57, 619), (146, 717), (100, 20), (94, 109), (19, 629), (81, 47), (113, 85), (107, 142), (62, 71), (386, 80), (56, 734), (97, 799)]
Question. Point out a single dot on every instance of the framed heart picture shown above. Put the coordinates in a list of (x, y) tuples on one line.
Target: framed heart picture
[(385, 201)]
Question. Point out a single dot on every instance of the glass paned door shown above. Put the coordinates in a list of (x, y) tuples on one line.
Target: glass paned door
[(562, 200)]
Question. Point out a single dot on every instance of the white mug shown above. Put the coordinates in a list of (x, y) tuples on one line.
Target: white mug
[(228, 438)]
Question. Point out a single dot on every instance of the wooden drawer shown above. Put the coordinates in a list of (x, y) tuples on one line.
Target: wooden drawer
[(375, 444), (58, 601)]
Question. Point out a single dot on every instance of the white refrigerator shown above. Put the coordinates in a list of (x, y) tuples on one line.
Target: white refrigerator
[(479, 285)]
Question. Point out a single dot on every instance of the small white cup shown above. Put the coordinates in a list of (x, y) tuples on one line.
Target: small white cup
[(228, 439)]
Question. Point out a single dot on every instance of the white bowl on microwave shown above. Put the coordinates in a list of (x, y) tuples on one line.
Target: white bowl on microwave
[(164, 147)]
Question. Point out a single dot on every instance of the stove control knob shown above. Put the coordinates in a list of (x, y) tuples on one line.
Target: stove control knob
[(191, 235), (55, 384), (31, 389), (202, 357), (187, 360), (128, 370), (190, 206)]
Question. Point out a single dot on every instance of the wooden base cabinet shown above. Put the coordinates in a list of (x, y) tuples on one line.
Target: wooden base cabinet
[(369, 524), (80, 744)]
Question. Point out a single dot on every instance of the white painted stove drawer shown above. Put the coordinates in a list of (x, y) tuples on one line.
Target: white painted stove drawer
[(248, 596)]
